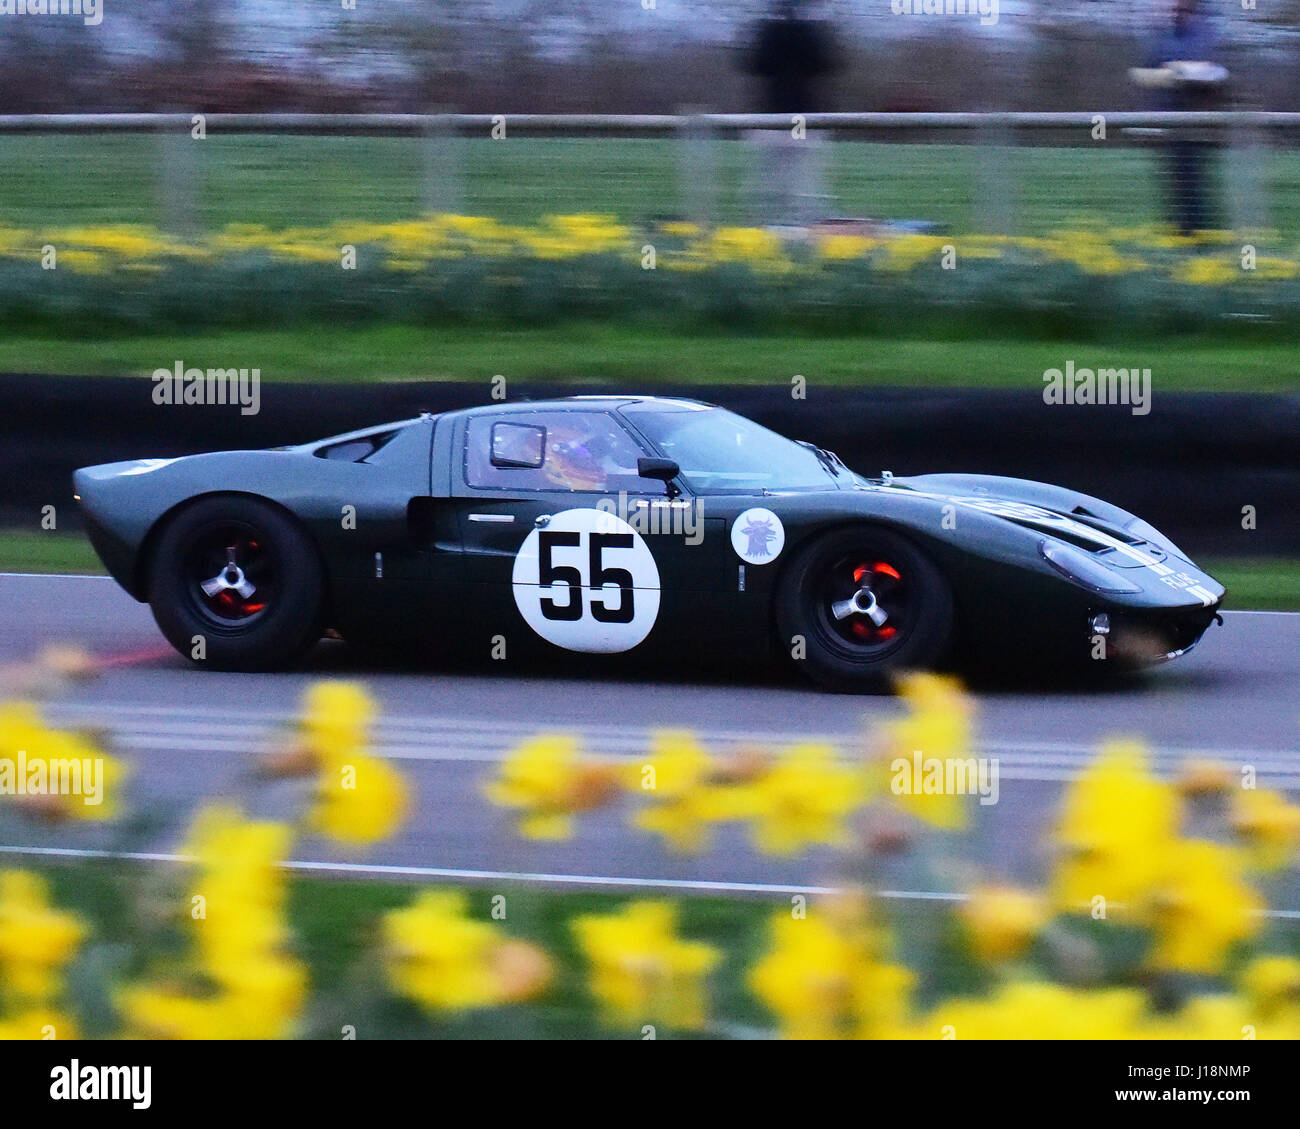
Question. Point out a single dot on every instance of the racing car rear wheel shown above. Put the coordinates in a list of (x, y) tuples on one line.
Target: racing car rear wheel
[(236, 584), (858, 604)]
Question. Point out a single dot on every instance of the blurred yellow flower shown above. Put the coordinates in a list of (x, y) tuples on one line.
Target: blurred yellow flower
[(447, 961), (824, 978), (835, 248), (336, 718), (39, 1023), (547, 780), (938, 727), (1272, 981), (359, 798), (753, 245), (1221, 1015), (260, 1001), (84, 262), (36, 940), (802, 800), (906, 251), (1271, 985), (1267, 824), (362, 801), (52, 773), (1203, 778), (641, 971), (235, 914), (1270, 268), (1204, 270), (1002, 921), (237, 876), (682, 797), (1037, 1010), (1201, 906), (1116, 822)]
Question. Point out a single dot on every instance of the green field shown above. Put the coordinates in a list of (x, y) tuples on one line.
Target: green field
[(1264, 583), (645, 359), (285, 181)]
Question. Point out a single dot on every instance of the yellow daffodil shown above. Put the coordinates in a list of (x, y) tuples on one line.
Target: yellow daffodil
[(1203, 778), (835, 248), (1037, 1010), (641, 971), (1267, 824), (39, 1023), (64, 775), (447, 961), (1272, 981), (802, 800), (362, 801), (235, 913), (1116, 823), (937, 730), (1201, 906), (335, 719), (261, 1002), (753, 245), (1208, 271), (1002, 921), (36, 940), (546, 779), (825, 981), (682, 798), (359, 798)]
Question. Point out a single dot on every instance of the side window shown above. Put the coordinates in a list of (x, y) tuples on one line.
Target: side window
[(517, 446), (583, 451)]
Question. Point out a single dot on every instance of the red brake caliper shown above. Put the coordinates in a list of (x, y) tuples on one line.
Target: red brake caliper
[(862, 627)]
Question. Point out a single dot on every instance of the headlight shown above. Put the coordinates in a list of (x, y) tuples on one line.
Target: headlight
[(1083, 569)]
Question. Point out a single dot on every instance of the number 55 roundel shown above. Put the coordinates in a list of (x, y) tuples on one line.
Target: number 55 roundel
[(586, 581)]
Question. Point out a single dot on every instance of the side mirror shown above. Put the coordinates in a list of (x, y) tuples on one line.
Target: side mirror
[(663, 470)]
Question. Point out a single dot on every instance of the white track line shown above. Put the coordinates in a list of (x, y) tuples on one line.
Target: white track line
[(392, 871), (55, 575), (414, 739)]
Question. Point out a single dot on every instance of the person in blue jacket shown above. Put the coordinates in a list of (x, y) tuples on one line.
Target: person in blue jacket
[(1185, 72)]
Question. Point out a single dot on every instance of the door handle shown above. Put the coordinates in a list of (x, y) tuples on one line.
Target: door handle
[(541, 520), (492, 517)]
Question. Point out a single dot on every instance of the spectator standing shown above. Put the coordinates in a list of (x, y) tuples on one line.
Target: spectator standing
[(1185, 72), (792, 56)]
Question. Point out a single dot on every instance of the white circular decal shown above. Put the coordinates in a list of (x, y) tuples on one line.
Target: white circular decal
[(757, 536), (586, 581)]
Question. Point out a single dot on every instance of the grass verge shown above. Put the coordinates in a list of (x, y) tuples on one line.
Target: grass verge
[(647, 358)]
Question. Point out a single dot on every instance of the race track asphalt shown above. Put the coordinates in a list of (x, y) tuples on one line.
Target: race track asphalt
[(190, 734)]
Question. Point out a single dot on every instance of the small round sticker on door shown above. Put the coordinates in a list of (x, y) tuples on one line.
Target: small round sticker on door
[(757, 536), (586, 581)]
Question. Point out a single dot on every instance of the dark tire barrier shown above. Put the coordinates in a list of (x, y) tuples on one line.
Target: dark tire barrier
[(1189, 467)]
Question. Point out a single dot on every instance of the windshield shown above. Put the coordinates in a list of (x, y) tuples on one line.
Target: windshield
[(720, 452)]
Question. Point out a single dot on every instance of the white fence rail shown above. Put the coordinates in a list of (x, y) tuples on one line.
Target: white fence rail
[(996, 179)]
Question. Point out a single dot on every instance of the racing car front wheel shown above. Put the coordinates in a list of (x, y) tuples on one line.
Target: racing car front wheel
[(236, 584), (857, 605)]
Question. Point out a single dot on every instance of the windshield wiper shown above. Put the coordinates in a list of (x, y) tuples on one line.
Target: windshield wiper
[(828, 461)]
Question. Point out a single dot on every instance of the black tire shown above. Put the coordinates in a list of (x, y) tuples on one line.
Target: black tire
[(273, 615), (848, 651)]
